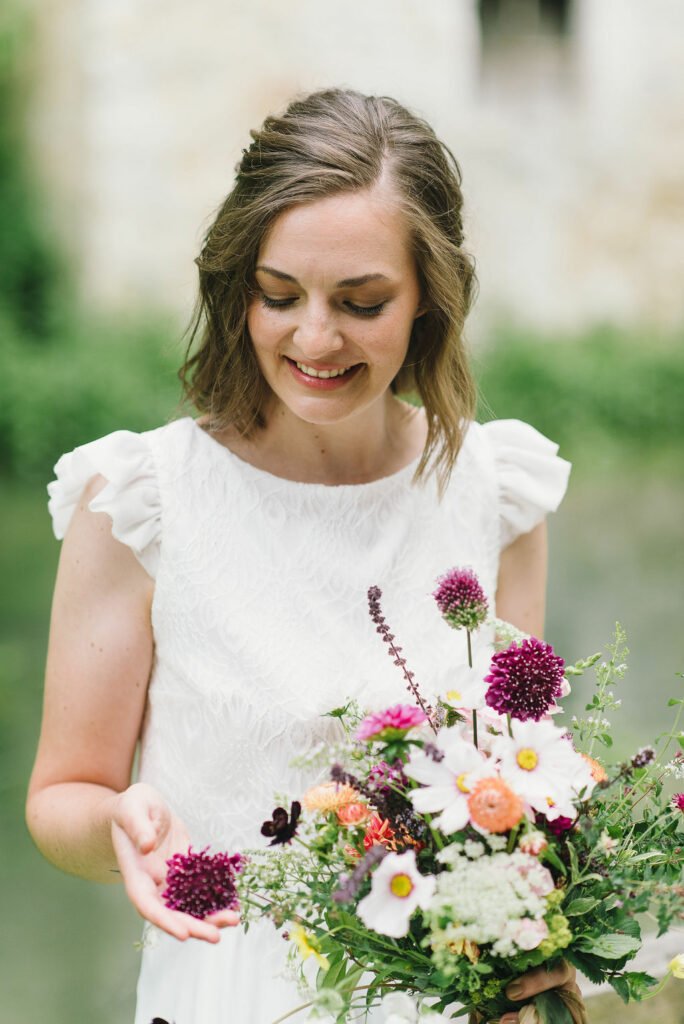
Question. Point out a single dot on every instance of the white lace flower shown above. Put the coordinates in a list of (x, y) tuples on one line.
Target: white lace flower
[(397, 889), (541, 765), (447, 783)]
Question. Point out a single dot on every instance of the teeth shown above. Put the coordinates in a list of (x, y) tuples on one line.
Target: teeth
[(324, 374)]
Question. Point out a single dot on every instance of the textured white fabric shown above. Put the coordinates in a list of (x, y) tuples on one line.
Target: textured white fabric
[(261, 626)]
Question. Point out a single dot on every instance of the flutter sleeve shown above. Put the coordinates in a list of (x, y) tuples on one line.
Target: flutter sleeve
[(531, 476), (130, 497)]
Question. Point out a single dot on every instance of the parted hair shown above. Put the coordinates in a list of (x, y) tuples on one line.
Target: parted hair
[(326, 143)]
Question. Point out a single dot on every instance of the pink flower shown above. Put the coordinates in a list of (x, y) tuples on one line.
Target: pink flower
[(533, 843), (678, 801), (528, 934), (392, 723)]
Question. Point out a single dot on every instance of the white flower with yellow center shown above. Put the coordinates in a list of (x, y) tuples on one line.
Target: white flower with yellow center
[(541, 765), (447, 784), (397, 889), (467, 686)]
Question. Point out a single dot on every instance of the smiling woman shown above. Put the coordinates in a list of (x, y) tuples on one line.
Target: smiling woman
[(210, 599)]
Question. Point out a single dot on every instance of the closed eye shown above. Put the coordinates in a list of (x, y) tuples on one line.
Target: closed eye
[(352, 307)]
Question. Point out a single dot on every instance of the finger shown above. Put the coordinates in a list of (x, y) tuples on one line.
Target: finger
[(224, 918), (540, 980), (509, 1018)]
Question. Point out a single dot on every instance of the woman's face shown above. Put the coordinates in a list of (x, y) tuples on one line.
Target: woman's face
[(337, 296)]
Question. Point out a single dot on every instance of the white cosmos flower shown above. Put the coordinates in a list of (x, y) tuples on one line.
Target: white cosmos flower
[(467, 688), (397, 889), (541, 765), (447, 783)]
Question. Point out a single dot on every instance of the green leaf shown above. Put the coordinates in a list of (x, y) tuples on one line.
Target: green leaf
[(552, 1009), (552, 857), (675, 700), (574, 865), (582, 905), (612, 946), (621, 986)]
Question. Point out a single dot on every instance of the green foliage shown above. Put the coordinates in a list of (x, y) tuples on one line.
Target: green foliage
[(617, 389)]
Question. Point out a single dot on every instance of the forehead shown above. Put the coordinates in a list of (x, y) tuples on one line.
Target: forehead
[(340, 234)]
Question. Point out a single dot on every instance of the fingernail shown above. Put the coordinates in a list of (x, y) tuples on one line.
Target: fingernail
[(514, 990)]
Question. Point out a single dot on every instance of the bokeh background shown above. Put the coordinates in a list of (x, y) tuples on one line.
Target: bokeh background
[(120, 126)]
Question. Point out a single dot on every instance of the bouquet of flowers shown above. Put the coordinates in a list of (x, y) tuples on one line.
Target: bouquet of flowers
[(455, 846)]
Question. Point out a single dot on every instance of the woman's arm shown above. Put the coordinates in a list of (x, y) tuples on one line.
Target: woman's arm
[(98, 665), (81, 811), (521, 589)]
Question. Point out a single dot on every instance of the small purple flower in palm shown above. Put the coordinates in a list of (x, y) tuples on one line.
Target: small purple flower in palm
[(461, 599), (525, 680), (202, 883)]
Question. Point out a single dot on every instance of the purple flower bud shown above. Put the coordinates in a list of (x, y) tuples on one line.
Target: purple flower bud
[(461, 599), (643, 757)]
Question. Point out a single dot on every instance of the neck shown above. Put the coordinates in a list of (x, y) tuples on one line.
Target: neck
[(374, 443)]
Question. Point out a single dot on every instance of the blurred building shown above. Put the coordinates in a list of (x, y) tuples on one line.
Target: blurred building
[(567, 117)]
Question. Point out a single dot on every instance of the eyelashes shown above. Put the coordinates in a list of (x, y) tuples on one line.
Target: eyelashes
[(350, 306)]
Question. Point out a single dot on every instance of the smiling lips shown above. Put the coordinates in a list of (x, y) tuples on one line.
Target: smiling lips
[(322, 378)]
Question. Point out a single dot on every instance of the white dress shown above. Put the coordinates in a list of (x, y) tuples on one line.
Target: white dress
[(261, 626)]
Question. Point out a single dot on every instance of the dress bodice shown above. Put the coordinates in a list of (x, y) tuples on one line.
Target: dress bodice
[(260, 613)]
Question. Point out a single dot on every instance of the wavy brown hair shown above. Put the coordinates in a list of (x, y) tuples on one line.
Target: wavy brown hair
[(327, 143)]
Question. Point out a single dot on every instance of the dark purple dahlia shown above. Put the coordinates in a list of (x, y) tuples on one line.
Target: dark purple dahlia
[(461, 599), (202, 883), (525, 680)]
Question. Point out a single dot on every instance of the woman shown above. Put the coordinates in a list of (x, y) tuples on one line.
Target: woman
[(210, 599)]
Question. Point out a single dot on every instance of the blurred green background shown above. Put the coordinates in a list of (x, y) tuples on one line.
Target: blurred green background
[(612, 399)]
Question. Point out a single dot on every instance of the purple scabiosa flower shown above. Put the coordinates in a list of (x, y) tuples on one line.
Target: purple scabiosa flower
[(678, 801), (392, 723), (525, 680), (558, 826), (461, 599), (200, 883)]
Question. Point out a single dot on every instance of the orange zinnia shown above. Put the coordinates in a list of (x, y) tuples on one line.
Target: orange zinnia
[(494, 806), (378, 833), (598, 772)]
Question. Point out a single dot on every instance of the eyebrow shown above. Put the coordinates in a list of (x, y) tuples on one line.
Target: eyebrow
[(348, 282)]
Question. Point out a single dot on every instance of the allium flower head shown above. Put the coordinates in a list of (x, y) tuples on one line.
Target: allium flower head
[(525, 680), (461, 599), (200, 883), (678, 801), (392, 723)]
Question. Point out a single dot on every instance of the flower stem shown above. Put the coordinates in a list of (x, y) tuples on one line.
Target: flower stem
[(475, 729), (509, 723)]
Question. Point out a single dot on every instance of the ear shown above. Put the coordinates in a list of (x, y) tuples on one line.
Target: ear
[(421, 311)]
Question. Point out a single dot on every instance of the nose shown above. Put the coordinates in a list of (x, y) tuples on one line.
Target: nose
[(316, 333)]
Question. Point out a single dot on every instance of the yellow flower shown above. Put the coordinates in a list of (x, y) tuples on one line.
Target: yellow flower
[(464, 947), (677, 966), (306, 944), (329, 796)]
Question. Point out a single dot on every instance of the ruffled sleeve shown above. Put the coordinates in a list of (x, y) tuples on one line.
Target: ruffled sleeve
[(532, 478), (131, 496)]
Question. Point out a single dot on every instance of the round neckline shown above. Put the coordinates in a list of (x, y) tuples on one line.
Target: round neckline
[(264, 474)]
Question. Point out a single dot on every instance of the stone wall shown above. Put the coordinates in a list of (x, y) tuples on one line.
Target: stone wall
[(571, 145)]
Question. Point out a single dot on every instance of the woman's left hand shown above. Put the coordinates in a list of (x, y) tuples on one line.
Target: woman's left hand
[(561, 978)]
